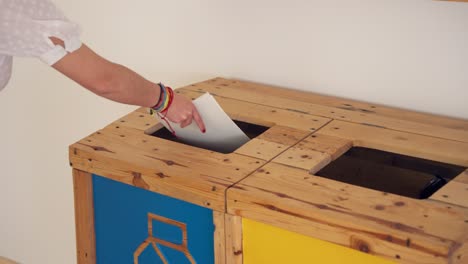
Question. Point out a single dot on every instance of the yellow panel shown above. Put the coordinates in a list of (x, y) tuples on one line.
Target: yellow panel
[(263, 243)]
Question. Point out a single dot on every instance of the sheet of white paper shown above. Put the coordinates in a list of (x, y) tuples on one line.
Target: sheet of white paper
[(222, 134)]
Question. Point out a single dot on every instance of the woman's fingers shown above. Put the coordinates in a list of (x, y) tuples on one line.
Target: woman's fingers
[(182, 111), (198, 120)]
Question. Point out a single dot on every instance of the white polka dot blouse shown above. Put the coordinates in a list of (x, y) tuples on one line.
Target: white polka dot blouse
[(25, 28)]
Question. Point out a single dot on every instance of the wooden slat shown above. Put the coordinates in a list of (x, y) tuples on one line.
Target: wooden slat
[(332, 146), (462, 178), (242, 91), (284, 135), (84, 217), (425, 147), (219, 238), (261, 149), (304, 158), (454, 192), (314, 152), (418, 231), (234, 253), (272, 142), (142, 121), (460, 255)]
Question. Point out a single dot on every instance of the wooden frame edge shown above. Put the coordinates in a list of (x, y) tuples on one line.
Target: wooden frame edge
[(460, 254), (84, 217), (234, 249), (219, 240)]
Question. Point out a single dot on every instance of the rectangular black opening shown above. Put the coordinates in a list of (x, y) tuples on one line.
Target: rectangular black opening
[(251, 130), (390, 172)]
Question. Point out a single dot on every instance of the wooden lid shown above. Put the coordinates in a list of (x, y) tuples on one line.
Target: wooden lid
[(271, 178)]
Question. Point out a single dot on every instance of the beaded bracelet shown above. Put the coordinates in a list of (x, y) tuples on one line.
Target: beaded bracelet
[(166, 96), (168, 102), (161, 96)]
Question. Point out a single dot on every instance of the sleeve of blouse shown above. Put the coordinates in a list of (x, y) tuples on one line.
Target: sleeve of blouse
[(25, 28)]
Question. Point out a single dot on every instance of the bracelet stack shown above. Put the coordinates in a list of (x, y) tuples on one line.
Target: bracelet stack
[(166, 96)]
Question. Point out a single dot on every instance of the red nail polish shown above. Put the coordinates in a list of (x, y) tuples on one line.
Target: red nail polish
[(204, 130)]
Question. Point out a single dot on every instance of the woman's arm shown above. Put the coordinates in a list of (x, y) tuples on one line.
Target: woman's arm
[(120, 84)]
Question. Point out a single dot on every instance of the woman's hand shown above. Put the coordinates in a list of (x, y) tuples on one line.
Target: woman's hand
[(183, 112)]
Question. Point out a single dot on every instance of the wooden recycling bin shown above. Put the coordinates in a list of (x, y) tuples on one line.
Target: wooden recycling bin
[(322, 180)]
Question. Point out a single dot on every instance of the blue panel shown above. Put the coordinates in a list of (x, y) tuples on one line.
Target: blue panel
[(121, 223), (167, 232)]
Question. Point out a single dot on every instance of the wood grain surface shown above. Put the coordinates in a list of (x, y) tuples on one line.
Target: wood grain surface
[(84, 217), (271, 178)]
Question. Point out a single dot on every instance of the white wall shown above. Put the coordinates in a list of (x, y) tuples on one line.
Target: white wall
[(411, 54)]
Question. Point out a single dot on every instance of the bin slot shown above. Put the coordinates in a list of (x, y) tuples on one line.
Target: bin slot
[(390, 172), (251, 130)]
